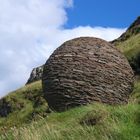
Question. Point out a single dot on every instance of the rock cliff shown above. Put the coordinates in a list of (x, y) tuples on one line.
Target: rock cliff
[(36, 74)]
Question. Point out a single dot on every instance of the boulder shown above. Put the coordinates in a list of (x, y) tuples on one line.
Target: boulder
[(86, 70), (36, 74)]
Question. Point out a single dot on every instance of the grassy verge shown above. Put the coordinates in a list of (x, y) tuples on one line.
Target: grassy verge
[(91, 122), (25, 104)]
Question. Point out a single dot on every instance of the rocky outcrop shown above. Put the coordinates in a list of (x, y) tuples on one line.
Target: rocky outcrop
[(86, 70), (36, 74), (134, 29)]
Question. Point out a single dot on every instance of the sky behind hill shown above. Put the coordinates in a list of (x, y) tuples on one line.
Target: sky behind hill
[(105, 13), (30, 30)]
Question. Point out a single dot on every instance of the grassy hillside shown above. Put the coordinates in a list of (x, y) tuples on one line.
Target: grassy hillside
[(129, 44), (130, 47), (96, 121), (22, 106), (24, 114)]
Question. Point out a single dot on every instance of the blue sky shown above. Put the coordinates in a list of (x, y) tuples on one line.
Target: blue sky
[(30, 30), (106, 13)]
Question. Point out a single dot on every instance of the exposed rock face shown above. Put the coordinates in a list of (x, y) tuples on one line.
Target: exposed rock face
[(85, 70), (36, 74)]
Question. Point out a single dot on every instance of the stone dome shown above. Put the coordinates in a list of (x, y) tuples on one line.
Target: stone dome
[(85, 70)]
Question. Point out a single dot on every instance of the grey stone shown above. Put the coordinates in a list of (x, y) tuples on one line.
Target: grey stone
[(36, 74)]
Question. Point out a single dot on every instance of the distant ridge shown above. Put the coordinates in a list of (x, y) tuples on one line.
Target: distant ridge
[(133, 29), (129, 44)]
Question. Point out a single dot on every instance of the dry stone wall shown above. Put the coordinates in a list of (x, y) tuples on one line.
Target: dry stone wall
[(85, 70)]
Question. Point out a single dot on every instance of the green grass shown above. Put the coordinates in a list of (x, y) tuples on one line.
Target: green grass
[(110, 122), (27, 103), (120, 122), (130, 47)]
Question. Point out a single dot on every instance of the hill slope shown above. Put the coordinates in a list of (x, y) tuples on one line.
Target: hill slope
[(129, 44), (24, 113), (95, 121), (22, 106), (133, 30)]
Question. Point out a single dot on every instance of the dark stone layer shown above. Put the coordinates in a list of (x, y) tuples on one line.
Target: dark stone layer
[(85, 70)]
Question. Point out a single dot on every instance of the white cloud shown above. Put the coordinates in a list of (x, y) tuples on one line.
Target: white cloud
[(30, 30)]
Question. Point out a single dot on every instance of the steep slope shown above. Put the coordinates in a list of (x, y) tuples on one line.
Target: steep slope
[(91, 122), (129, 44), (22, 106), (133, 30)]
